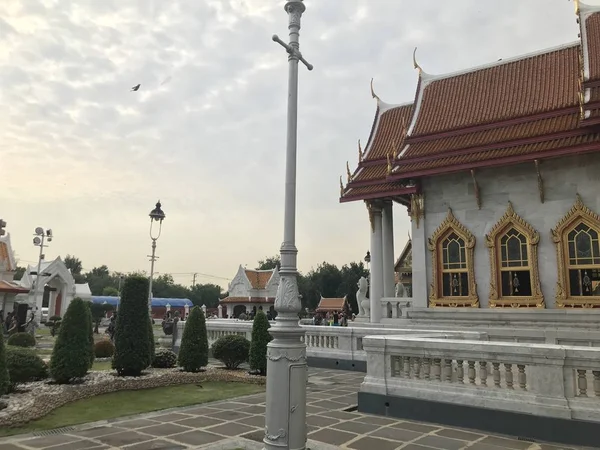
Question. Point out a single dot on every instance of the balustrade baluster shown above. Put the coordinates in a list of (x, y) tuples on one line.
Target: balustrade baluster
[(496, 373), (406, 361), (437, 369), (327, 341), (483, 373), (596, 374), (337, 342), (508, 376), (426, 368), (417, 368), (448, 370), (471, 371), (582, 382), (460, 371), (522, 377)]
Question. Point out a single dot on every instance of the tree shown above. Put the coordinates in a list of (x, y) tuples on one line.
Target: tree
[(110, 291), (19, 271), (75, 266), (132, 349), (88, 323), (99, 311), (258, 344), (205, 294), (151, 346), (71, 355), (4, 379), (351, 273), (193, 353), (270, 263)]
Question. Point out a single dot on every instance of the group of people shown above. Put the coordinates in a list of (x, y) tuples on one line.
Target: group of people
[(10, 323), (333, 319)]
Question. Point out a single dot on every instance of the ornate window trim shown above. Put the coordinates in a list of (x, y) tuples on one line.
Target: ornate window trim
[(578, 212), (509, 220), (451, 224)]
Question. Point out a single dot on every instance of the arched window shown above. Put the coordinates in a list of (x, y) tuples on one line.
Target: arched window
[(452, 247), (577, 239), (514, 275)]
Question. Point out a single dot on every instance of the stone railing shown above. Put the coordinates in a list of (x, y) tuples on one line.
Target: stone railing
[(392, 307), (540, 379)]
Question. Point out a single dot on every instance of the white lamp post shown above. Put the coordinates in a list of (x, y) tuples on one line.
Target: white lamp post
[(286, 354), (41, 237), (156, 215)]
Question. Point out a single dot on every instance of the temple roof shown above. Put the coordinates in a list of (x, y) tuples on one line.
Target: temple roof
[(531, 107), (331, 304), (9, 287), (259, 278), (7, 258)]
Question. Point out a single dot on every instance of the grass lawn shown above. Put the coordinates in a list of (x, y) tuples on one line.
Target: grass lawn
[(125, 403), (102, 365)]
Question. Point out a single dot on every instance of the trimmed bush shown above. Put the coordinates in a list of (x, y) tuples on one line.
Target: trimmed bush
[(104, 349), (164, 359), (151, 343), (21, 340), (258, 345), (71, 355), (89, 324), (24, 365), (4, 378), (231, 350), (193, 353), (132, 346)]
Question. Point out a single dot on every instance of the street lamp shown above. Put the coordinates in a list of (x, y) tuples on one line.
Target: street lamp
[(368, 260), (286, 353), (40, 239), (156, 215)]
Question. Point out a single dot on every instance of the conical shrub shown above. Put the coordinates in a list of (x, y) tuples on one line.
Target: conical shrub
[(258, 344), (71, 355), (193, 353), (4, 379), (132, 348), (151, 346), (90, 324)]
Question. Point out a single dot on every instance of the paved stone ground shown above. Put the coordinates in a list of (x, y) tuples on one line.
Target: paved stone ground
[(212, 425)]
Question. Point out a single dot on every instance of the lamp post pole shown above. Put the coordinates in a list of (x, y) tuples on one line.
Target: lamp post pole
[(157, 215), (40, 240), (286, 353)]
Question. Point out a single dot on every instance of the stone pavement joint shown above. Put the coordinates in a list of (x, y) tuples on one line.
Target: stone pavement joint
[(240, 423)]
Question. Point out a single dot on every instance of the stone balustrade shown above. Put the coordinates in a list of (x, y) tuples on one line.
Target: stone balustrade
[(391, 307), (540, 379)]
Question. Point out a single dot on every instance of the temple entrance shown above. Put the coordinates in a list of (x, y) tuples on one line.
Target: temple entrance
[(238, 309)]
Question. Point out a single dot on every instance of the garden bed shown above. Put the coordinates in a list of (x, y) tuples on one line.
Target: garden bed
[(35, 400)]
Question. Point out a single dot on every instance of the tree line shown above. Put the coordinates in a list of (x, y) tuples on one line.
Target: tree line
[(326, 280)]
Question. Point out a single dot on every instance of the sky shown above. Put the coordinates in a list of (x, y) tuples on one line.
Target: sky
[(205, 134)]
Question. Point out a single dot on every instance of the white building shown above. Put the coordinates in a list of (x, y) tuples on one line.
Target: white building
[(9, 289), (251, 289)]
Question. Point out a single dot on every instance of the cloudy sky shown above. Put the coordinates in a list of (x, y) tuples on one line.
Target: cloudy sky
[(82, 155)]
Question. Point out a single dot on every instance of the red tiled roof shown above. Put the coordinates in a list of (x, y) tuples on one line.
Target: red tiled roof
[(259, 278), (12, 288), (331, 304), (248, 300)]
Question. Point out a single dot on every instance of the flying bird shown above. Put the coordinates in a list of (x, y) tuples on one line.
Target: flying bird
[(135, 88)]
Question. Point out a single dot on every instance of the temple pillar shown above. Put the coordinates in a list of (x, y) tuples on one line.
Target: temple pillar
[(419, 263), (376, 281), (388, 249)]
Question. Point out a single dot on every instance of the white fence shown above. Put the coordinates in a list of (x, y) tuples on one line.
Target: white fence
[(541, 379)]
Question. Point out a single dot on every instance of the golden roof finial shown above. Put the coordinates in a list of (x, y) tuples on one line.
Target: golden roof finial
[(373, 94), (341, 187), (415, 63), (360, 152), (348, 172)]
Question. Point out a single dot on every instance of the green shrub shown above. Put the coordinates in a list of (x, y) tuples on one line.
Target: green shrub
[(104, 349), (54, 324), (151, 346), (4, 377), (21, 340), (231, 350), (24, 365), (164, 359), (132, 347), (258, 345), (71, 355), (193, 353), (89, 324)]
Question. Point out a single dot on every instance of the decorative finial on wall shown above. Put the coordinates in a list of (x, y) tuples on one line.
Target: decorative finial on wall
[(415, 63), (360, 152), (373, 94)]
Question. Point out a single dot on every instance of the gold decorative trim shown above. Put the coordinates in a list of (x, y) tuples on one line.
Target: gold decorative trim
[(476, 188), (508, 220), (578, 213), (341, 187), (540, 180), (360, 152), (348, 173), (450, 223), (417, 207), (371, 215)]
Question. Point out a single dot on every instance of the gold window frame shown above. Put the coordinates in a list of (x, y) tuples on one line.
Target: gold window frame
[(578, 213), (510, 220), (436, 299)]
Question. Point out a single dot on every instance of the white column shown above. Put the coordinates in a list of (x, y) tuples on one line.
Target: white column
[(420, 283), (376, 288), (388, 249)]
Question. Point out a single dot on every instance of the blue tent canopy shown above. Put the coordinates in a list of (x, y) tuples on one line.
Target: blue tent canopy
[(158, 302)]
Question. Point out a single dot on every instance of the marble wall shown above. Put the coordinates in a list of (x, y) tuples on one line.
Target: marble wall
[(563, 178)]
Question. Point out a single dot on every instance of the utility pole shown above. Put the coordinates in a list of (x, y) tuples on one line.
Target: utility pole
[(287, 370), (194, 281)]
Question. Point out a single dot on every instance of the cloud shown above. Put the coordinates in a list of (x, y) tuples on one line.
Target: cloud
[(83, 155)]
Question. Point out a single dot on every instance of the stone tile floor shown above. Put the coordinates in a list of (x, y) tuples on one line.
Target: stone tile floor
[(211, 425)]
